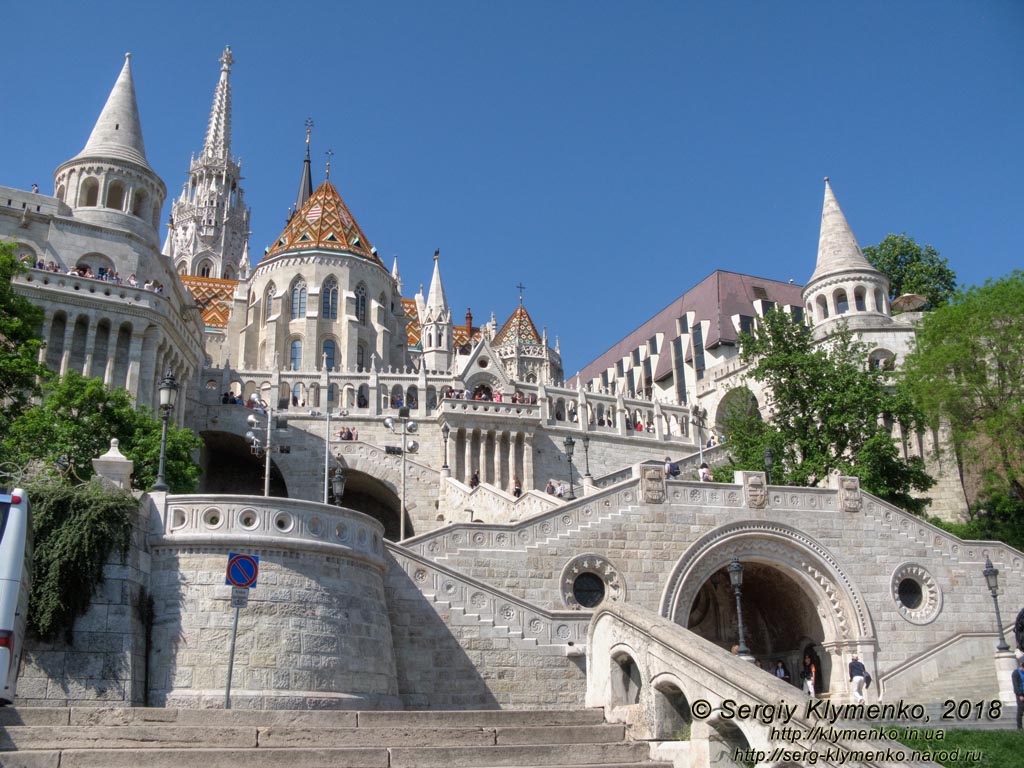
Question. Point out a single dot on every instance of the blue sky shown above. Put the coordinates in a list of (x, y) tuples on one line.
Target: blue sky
[(606, 155)]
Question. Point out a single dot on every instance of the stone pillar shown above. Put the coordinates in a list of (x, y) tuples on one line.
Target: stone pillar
[(1005, 662), (90, 343), (134, 363), (69, 331), (528, 478)]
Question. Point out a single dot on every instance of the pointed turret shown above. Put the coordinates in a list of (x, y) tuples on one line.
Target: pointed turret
[(394, 273), (437, 304), (837, 247), (218, 132), (117, 134), (845, 286), (306, 182)]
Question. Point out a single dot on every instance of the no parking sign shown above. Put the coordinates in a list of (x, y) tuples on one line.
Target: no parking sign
[(243, 570)]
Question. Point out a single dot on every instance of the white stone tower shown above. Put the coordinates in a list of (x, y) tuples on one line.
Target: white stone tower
[(209, 229), (844, 286), (436, 337), (110, 183)]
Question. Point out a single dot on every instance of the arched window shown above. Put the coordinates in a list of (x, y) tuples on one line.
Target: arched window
[(822, 303), (88, 194), (361, 356), (295, 354), (205, 268), (61, 192), (268, 302), (182, 267), (858, 298), (879, 300), (329, 293), (361, 303), (140, 206), (298, 300), (842, 303), (228, 274), (328, 356), (115, 196)]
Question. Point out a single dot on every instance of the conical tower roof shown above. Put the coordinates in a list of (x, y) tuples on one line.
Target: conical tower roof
[(437, 304), (218, 133), (117, 134), (324, 223), (837, 247), (518, 330)]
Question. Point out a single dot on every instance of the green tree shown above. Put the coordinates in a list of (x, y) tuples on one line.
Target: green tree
[(20, 370), (967, 373), (913, 268), (75, 422), (829, 412)]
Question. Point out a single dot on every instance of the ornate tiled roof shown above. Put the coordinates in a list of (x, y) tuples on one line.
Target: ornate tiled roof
[(213, 296), (517, 330), (324, 223), (412, 323)]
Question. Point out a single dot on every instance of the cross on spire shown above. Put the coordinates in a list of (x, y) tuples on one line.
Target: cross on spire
[(330, 154), (521, 288), (309, 129)]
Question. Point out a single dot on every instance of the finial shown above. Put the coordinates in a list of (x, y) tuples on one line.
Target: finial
[(127, 55), (521, 288), (330, 154), (437, 252), (309, 129), (226, 59), (826, 179)]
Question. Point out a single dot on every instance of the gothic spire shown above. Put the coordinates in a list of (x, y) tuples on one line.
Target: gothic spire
[(837, 247), (218, 133), (437, 304), (118, 133), (306, 182), (394, 273)]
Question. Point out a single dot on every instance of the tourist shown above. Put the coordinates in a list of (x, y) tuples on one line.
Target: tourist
[(1018, 690), (705, 473), (560, 490), (550, 488), (517, 487), (858, 677), (810, 676), (781, 672), (474, 481)]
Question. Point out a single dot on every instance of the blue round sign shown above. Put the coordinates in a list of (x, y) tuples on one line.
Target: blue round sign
[(242, 570)]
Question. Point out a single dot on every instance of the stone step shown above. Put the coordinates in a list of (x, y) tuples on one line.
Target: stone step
[(10, 716)]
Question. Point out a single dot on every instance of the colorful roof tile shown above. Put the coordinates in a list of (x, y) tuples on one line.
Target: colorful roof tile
[(324, 223), (214, 297), (517, 330)]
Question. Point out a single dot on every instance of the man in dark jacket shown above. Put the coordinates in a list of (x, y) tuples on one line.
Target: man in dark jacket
[(858, 675), (1018, 690)]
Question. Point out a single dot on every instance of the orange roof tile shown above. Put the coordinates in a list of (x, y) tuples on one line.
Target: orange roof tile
[(518, 329), (324, 223), (214, 297)]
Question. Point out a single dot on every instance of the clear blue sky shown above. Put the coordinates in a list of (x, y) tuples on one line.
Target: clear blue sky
[(607, 155)]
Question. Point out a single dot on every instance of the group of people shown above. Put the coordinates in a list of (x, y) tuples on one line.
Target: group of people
[(348, 434), (553, 489), (104, 275)]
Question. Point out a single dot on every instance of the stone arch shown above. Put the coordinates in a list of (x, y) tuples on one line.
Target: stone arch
[(116, 195), (737, 402), (805, 564), (367, 492), (140, 205), (627, 678), (821, 308), (841, 301), (882, 358), (89, 193)]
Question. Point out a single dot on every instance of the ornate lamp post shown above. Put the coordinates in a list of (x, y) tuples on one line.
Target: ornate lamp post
[(445, 432), (991, 574), (768, 462), (736, 579), (408, 427), (586, 452), (343, 413), (338, 485), (570, 445), (168, 389), (266, 448)]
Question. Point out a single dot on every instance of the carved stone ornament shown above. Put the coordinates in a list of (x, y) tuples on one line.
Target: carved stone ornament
[(654, 485), (849, 494), (755, 490)]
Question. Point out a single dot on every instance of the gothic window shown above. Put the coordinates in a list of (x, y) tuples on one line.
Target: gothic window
[(361, 356), (205, 268), (381, 303), (298, 300), (329, 353), (295, 354), (183, 267), (329, 292), (61, 193), (248, 309), (361, 303), (268, 302), (227, 274)]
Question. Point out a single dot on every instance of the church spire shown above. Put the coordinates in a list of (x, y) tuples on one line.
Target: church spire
[(437, 304), (837, 247), (218, 133), (118, 133), (306, 182)]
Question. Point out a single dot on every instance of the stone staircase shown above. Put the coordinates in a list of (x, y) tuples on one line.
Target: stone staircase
[(179, 738)]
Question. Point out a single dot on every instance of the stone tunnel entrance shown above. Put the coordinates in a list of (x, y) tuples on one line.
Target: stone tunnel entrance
[(365, 493), (229, 466), (780, 619)]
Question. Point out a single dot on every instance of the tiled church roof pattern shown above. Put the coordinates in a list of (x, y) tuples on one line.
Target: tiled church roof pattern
[(213, 296), (324, 223), (518, 329)]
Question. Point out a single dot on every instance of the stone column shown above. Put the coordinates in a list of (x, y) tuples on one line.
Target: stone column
[(467, 462), (69, 334), (134, 363)]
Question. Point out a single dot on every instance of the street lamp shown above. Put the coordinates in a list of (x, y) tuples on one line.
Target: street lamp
[(697, 416), (343, 413), (408, 427), (991, 574), (168, 389), (736, 579), (586, 452), (570, 444), (768, 462), (338, 485), (266, 448), (445, 432)]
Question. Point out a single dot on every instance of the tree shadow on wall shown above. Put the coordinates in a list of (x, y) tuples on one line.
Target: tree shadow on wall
[(433, 668)]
